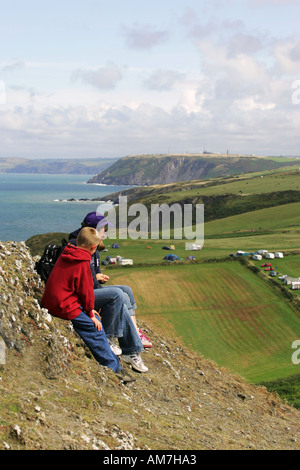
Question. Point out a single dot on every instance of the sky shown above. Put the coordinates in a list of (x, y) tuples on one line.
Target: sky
[(98, 79)]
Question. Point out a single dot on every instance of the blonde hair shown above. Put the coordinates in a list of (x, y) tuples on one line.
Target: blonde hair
[(87, 237)]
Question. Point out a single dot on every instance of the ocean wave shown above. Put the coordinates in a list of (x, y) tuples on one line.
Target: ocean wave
[(83, 200)]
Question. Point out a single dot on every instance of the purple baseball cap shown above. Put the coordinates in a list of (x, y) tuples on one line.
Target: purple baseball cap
[(95, 220)]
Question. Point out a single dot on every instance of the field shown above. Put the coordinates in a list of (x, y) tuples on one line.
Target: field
[(274, 228), (222, 310)]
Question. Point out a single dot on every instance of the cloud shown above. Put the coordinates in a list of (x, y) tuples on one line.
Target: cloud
[(144, 37), (12, 66), (241, 43), (246, 69), (271, 2), (217, 114), (286, 54), (164, 80), (104, 78), (295, 52), (202, 27)]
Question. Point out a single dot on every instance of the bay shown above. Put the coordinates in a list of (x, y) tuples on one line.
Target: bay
[(32, 204)]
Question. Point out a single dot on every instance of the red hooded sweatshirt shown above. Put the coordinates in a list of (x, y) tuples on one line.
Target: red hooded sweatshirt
[(70, 285)]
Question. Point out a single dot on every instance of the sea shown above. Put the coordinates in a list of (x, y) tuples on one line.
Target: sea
[(32, 204)]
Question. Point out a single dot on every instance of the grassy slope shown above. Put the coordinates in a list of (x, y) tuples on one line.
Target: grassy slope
[(249, 183), (222, 310), (273, 219), (223, 197)]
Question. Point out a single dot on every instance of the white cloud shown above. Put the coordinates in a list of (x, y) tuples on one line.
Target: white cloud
[(104, 78), (12, 66), (287, 56), (201, 118), (142, 37), (241, 43), (164, 80), (272, 2)]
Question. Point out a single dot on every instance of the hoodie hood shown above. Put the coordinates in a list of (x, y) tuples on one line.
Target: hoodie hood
[(73, 254)]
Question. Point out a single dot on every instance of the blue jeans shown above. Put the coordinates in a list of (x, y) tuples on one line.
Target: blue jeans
[(128, 297), (116, 319), (96, 342)]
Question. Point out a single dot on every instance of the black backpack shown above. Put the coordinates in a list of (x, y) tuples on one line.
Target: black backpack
[(45, 265)]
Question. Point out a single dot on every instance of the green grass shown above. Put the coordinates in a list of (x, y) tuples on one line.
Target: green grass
[(281, 219), (289, 265), (287, 388), (258, 184), (224, 198), (274, 229), (222, 310), (252, 183)]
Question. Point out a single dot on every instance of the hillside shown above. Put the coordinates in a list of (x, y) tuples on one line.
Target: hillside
[(53, 166), (161, 169), (54, 396), (223, 196)]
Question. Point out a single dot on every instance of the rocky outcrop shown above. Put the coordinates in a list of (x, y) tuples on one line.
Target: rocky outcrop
[(54, 396)]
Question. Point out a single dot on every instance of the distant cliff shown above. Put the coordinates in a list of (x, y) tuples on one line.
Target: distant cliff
[(54, 166), (160, 169)]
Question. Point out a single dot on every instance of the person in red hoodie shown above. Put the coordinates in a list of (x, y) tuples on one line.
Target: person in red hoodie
[(69, 295)]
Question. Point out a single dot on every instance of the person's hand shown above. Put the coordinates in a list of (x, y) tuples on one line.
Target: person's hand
[(98, 324), (102, 277)]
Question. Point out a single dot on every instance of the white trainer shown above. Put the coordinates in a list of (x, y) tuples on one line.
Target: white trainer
[(135, 361), (115, 348)]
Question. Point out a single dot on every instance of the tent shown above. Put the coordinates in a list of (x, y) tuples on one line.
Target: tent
[(171, 258)]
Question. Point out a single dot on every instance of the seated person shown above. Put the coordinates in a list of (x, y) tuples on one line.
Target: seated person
[(69, 294), (99, 222)]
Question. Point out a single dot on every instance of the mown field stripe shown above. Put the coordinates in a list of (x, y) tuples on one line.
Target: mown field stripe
[(222, 310)]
